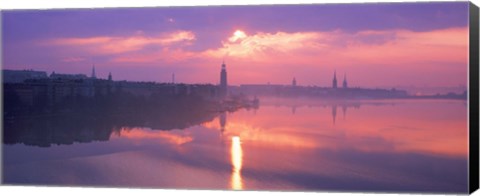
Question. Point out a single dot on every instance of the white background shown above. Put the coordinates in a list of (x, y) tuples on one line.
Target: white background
[(48, 4)]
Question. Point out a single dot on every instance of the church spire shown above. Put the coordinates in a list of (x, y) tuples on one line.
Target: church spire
[(345, 85), (334, 83)]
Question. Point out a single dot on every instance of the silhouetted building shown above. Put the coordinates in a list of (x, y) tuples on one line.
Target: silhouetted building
[(345, 85), (223, 80), (334, 85), (294, 82), (110, 76), (57, 76), (19, 76), (94, 75)]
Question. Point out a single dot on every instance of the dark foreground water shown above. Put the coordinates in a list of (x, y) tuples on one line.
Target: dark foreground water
[(298, 145)]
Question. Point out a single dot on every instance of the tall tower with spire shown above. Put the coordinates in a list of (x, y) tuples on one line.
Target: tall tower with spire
[(94, 76), (345, 85), (294, 82), (223, 80), (110, 76), (334, 83)]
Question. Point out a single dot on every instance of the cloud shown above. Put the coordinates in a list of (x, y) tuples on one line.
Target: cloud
[(260, 45), (390, 47), (165, 55), (237, 36), (117, 45), (73, 59), (398, 54), (387, 47)]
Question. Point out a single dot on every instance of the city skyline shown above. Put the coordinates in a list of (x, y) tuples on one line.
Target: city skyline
[(151, 44)]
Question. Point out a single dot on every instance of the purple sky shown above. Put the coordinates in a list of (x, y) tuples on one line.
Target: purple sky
[(385, 44)]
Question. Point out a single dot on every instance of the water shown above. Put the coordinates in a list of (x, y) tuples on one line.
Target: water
[(285, 144)]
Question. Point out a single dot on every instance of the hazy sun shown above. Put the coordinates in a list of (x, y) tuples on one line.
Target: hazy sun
[(237, 35)]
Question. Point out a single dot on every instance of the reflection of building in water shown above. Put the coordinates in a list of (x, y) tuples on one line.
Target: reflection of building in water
[(334, 113), (236, 159), (344, 110), (223, 121), (294, 108)]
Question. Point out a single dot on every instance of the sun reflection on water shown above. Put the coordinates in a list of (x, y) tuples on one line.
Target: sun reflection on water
[(236, 159)]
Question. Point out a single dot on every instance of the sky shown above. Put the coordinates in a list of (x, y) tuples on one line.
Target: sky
[(373, 44)]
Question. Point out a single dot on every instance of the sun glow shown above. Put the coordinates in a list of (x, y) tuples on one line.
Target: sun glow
[(237, 35)]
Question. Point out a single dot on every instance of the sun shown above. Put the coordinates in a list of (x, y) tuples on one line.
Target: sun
[(238, 34)]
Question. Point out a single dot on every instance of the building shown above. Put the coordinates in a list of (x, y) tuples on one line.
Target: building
[(334, 83), (294, 82), (94, 75), (345, 85), (57, 76), (223, 80), (19, 76)]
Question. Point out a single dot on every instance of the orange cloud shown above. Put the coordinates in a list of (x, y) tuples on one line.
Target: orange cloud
[(397, 54), (166, 55), (115, 45), (391, 47), (237, 36), (263, 46)]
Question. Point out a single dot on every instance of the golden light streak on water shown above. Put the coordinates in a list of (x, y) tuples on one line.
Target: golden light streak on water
[(236, 159)]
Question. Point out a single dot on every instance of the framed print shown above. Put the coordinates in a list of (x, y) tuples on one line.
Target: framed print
[(353, 97)]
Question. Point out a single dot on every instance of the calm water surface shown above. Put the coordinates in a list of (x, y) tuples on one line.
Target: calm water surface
[(300, 145)]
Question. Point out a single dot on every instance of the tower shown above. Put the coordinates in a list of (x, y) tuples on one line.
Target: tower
[(223, 80), (345, 81), (110, 83), (294, 82), (94, 76), (334, 85)]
